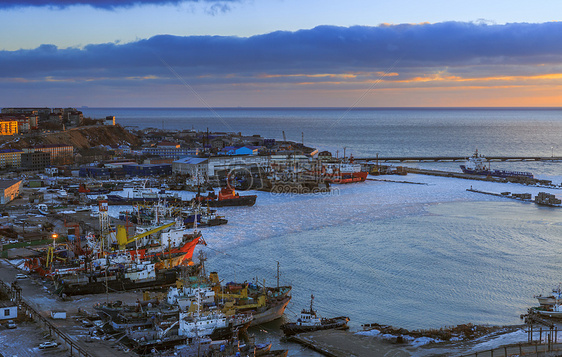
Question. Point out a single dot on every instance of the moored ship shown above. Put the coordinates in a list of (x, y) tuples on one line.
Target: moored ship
[(475, 166), (345, 172), (309, 321), (227, 197), (138, 262)]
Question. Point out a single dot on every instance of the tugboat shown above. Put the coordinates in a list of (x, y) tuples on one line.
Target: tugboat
[(475, 166), (309, 321), (227, 197)]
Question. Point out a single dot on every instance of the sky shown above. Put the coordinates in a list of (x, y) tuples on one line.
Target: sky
[(280, 53)]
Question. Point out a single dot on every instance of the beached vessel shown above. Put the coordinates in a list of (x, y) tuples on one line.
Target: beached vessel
[(475, 166), (310, 321)]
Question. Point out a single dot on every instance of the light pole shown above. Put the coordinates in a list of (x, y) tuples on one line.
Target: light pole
[(54, 236), (552, 150)]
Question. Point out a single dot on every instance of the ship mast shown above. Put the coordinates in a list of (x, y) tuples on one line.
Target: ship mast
[(277, 275)]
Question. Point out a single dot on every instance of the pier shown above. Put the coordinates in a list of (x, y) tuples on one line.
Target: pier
[(454, 158)]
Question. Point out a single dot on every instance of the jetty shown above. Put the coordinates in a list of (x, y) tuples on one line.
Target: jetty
[(454, 158), (543, 198)]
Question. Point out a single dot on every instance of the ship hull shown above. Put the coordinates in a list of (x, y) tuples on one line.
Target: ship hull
[(81, 285), (270, 314), (187, 249), (495, 173), (249, 200), (349, 177)]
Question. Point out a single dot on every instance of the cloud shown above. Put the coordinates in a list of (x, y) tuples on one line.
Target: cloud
[(416, 54), (218, 5)]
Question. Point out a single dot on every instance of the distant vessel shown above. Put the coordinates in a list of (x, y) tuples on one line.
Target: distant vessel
[(309, 321), (475, 166)]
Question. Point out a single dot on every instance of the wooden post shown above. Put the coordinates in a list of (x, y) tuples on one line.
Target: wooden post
[(536, 348)]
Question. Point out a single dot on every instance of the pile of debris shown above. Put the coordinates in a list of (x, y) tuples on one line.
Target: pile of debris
[(459, 332)]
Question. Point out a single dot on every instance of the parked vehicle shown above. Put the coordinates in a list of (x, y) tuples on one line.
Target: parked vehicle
[(21, 276), (11, 324), (48, 344)]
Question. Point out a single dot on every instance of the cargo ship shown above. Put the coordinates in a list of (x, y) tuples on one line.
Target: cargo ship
[(475, 166)]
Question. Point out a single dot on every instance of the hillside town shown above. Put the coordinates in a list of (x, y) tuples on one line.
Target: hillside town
[(63, 173)]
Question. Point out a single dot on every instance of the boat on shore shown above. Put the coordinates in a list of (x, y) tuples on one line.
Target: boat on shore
[(310, 321), (475, 166)]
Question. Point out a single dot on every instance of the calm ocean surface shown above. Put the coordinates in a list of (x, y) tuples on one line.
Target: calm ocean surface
[(414, 256), (366, 132)]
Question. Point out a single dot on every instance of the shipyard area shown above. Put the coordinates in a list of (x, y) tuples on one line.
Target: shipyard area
[(105, 250)]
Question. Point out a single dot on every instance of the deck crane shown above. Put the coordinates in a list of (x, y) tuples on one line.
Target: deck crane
[(123, 239)]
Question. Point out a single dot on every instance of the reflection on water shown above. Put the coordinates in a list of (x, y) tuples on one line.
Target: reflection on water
[(478, 262)]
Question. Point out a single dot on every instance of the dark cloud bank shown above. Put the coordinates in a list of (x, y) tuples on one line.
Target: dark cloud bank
[(324, 49), (102, 4)]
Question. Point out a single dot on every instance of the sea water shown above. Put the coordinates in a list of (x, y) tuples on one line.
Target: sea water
[(422, 255)]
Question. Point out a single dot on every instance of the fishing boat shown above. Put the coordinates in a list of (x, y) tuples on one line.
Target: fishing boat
[(310, 321), (475, 166), (554, 311), (263, 303), (205, 218), (131, 263), (117, 277), (189, 325), (227, 197), (555, 297)]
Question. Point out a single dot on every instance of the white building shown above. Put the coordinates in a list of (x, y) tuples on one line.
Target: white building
[(211, 166), (233, 162), (8, 310), (194, 166)]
